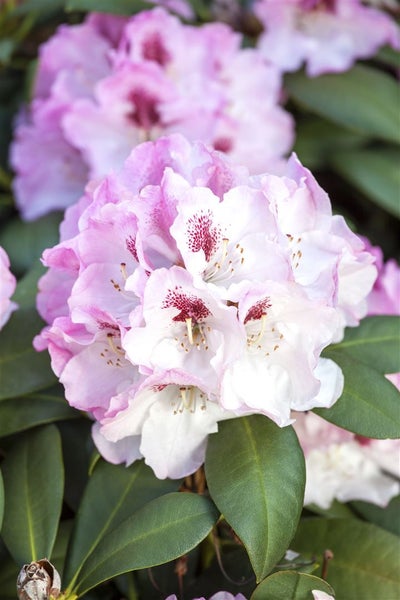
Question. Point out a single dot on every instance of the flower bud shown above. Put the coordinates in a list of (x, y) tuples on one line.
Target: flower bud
[(38, 581)]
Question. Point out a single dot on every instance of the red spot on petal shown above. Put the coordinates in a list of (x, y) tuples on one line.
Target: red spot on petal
[(131, 246), (258, 310), (154, 49), (202, 234), (190, 306), (223, 144), (145, 112)]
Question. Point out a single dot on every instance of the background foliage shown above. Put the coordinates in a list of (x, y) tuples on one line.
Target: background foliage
[(113, 531)]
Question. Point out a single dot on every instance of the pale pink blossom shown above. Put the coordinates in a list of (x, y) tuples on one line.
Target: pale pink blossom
[(319, 595), (109, 84), (175, 299), (175, 404), (279, 320), (7, 288), (384, 298), (327, 259), (343, 466), (328, 36)]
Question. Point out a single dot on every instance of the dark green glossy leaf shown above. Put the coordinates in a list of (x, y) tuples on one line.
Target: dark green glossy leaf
[(374, 342), (25, 242), (116, 492), (317, 139), (27, 288), (120, 7), (19, 414), (289, 585), (369, 405), (162, 530), (365, 560), (388, 518), (33, 483), (78, 447), (22, 369), (245, 465), (389, 56), (375, 172), (61, 544), (43, 8), (346, 99)]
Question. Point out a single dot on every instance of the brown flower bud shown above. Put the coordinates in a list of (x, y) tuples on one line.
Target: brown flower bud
[(38, 581)]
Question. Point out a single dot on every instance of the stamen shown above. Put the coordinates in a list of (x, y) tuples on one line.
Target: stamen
[(114, 348), (123, 271), (262, 330), (188, 322), (225, 242)]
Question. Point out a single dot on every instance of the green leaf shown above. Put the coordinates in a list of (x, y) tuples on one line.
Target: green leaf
[(27, 288), (19, 414), (163, 530), (289, 585), (61, 544), (375, 172), (246, 463), (25, 241), (78, 447), (335, 511), (346, 99), (1, 499), (120, 7), (389, 56), (369, 405), (116, 492), (22, 369), (33, 483), (317, 139), (387, 517), (39, 7), (365, 560), (374, 342)]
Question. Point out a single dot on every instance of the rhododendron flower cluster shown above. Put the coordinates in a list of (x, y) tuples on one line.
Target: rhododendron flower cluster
[(110, 83), (327, 35), (7, 288), (185, 291), (341, 465)]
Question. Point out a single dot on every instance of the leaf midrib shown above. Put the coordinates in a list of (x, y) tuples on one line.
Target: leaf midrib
[(135, 540), (107, 524)]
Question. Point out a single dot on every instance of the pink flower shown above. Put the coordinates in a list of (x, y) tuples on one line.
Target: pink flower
[(176, 294), (51, 174), (384, 298), (344, 466), (7, 288), (329, 36), (111, 83)]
